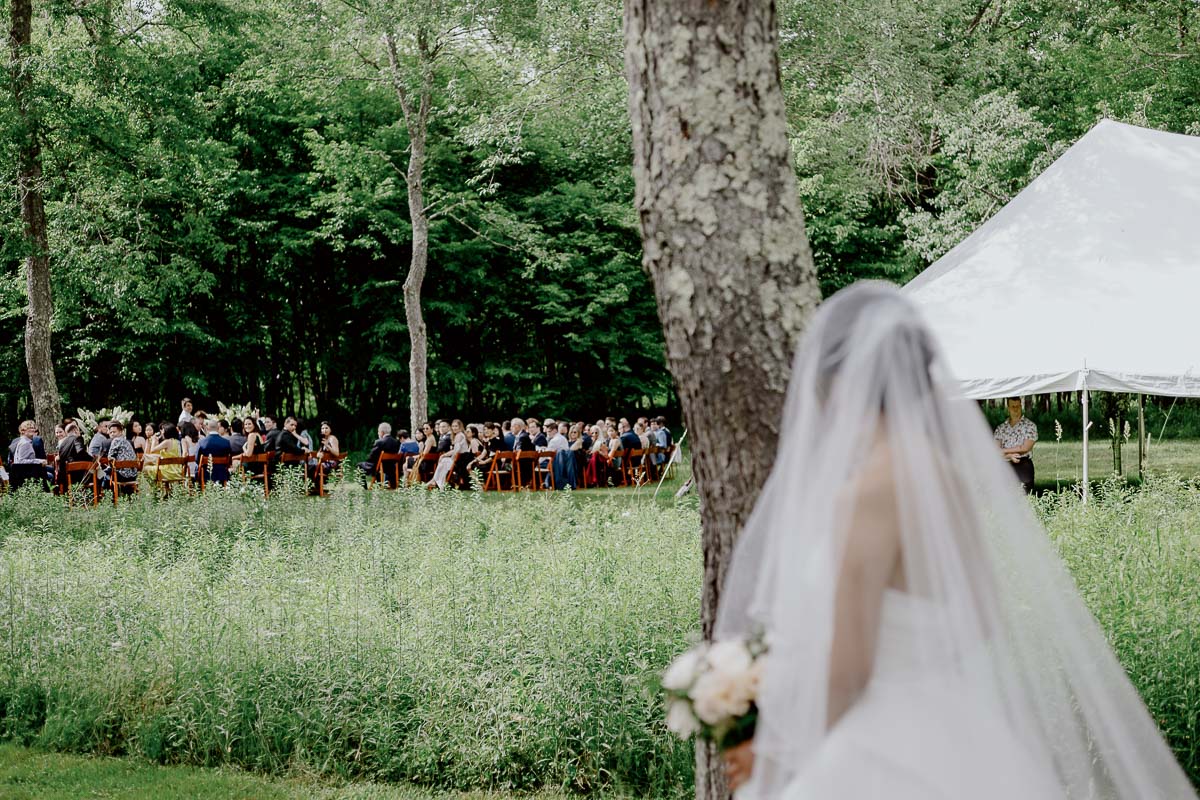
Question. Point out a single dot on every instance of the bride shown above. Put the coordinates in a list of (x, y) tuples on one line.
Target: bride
[(926, 642)]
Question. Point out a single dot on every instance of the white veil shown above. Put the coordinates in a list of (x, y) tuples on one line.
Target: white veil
[(868, 397)]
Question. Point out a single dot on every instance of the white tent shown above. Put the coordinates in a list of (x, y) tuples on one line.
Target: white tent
[(1088, 279)]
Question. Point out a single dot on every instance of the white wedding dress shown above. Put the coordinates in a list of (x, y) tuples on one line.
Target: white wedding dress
[(918, 733)]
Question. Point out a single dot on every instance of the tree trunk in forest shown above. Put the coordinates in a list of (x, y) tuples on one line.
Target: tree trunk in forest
[(416, 119), (38, 360), (724, 244)]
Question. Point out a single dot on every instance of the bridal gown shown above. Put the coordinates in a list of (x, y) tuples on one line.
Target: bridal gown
[(921, 734)]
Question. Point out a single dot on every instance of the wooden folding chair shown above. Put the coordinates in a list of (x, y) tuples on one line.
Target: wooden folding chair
[(544, 466), (498, 473), (170, 461), (118, 484), (264, 476), (520, 479), (207, 463), (390, 464), (83, 469), (296, 460), (637, 468), (336, 461)]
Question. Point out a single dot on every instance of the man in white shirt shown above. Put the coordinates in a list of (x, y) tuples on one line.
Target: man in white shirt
[(558, 441), (186, 414)]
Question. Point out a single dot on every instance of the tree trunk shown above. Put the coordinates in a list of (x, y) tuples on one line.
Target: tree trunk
[(724, 244), (416, 120), (38, 360)]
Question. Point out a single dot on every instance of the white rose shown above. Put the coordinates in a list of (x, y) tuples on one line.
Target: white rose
[(730, 657), (720, 695), (680, 719), (682, 672)]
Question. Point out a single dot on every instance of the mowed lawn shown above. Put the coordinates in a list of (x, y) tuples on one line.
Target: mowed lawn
[(27, 774), (1061, 463)]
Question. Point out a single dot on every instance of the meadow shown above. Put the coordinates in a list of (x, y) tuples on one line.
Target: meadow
[(448, 641)]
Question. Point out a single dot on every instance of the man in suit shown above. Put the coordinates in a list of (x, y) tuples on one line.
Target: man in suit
[(509, 438), (271, 433), (521, 443), (540, 442), (216, 445), (445, 441), (288, 442), (386, 443)]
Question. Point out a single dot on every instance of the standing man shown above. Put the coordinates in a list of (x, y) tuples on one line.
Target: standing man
[(185, 415)]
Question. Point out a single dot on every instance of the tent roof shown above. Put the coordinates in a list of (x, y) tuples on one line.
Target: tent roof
[(1090, 277)]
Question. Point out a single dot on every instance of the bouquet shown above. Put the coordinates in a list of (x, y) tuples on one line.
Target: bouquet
[(712, 691)]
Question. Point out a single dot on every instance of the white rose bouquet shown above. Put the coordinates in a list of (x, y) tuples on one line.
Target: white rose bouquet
[(712, 691)]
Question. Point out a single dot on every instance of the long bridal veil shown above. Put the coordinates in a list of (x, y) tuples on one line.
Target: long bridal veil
[(869, 397)]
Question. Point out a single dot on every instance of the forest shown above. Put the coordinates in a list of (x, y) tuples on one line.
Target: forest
[(227, 185)]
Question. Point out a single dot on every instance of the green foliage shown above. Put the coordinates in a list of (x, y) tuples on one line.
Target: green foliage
[(398, 636), (448, 641)]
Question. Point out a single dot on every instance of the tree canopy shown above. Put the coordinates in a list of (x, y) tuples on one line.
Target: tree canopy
[(225, 188)]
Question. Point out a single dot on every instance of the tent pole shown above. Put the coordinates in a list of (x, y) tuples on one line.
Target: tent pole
[(1086, 425), (1141, 437)]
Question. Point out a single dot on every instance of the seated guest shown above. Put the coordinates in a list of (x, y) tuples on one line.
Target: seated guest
[(189, 443), (213, 445), (237, 436), (167, 445), (662, 437), (120, 449), (136, 437), (476, 449), (558, 438), (496, 440), (386, 443), (70, 450), (445, 436), (271, 432), (24, 463), (643, 434), (507, 435), (98, 447), (458, 445), (410, 447), (484, 455), (288, 442), (254, 445), (329, 442), (223, 429), (629, 439), (540, 442), (522, 442)]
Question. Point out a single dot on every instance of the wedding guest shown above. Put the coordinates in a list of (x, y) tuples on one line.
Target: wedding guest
[(185, 415), (137, 437), (386, 443), (642, 434), (98, 447), (500, 439), (508, 435), (1016, 437), (254, 445), (458, 445), (445, 436), (70, 450), (214, 445), (491, 441), (662, 437), (120, 449), (25, 464), (535, 433), (148, 435), (329, 442), (189, 443), (476, 450), (223, 429), (288, 442), (271, 432), (558, 439), (168, 445), (59, 433), (237, 436)]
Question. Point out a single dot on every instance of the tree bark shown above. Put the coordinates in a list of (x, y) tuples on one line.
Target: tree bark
[(416, 120), (38, 359), (724, 244)]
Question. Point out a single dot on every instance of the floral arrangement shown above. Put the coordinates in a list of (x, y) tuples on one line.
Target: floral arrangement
[(712, 691), (89, 421), (231, 413)]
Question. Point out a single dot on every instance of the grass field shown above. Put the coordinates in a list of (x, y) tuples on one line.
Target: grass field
[(35, 775), (1061, 463), (438, 640)]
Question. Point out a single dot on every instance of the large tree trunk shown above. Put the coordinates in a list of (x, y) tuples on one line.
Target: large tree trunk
[(724, 243), (416, 118), (42, 385)]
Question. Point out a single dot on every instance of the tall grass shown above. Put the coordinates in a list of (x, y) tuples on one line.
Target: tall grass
[(403, 636), (440, 639)]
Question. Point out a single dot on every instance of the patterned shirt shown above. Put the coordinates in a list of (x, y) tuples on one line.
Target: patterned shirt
[(1009, 435), (121, 449)]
